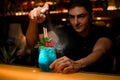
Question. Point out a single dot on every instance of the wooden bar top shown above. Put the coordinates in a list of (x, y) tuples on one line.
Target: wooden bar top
[(14, 72)]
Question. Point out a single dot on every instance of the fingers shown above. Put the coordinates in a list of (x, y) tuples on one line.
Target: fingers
[(63, 65), (37, 14), (69, 69), (46, 6), (56, 61), (60, 66), (32, 13)]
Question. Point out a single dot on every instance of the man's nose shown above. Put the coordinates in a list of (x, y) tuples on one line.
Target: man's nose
[(76, 20)]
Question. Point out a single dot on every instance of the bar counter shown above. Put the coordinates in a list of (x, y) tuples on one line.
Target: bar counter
[(15, 72)]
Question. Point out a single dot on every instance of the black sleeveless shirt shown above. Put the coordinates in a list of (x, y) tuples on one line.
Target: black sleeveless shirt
[(79, 47)]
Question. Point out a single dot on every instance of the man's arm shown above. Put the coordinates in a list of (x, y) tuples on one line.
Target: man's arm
[(36, 16), (66, 65), (101, 48), (32, 34)]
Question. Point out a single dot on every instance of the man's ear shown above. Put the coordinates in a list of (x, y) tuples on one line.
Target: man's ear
[(92, 16)]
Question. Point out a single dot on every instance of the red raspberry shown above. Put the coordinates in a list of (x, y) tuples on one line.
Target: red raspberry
[(46, 44), (51, 44)]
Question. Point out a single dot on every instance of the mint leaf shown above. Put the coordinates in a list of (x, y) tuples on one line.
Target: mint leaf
[(43, 41)]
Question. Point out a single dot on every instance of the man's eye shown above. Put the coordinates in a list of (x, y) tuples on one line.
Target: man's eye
[(71, 16), (81, 16)]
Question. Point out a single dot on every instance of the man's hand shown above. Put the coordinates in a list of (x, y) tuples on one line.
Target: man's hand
[(37, 14), (65, 65)]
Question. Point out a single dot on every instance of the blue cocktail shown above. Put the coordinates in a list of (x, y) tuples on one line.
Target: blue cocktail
[(46, 56)]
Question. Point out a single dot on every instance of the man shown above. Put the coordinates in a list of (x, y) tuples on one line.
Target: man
[(88, 46)]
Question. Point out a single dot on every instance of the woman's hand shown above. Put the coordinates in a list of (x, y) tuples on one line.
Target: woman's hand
[(37, 14), (65, 65)]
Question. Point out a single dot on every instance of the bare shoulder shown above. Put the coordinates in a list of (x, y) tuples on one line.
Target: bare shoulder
[(104, 40), (103, 44)]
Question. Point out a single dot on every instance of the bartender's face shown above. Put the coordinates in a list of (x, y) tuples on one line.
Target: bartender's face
[(79, 18)]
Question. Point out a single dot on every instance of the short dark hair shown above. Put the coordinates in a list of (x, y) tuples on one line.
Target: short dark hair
[(85, 3)]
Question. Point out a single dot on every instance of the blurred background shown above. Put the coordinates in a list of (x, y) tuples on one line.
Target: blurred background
[(16, 11)]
